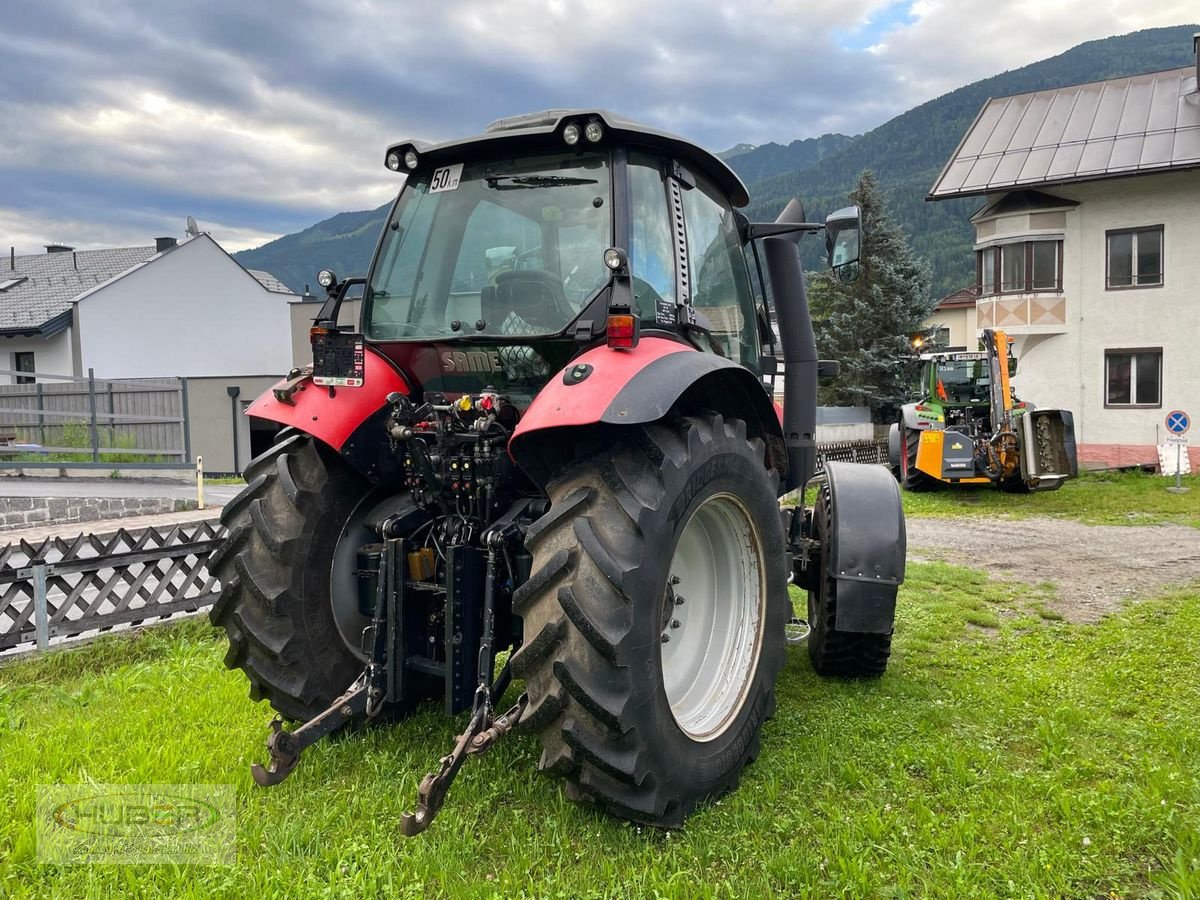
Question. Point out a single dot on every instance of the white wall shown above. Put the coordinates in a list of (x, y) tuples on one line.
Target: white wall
[(51, 356), (1067, 370), (192, 311)]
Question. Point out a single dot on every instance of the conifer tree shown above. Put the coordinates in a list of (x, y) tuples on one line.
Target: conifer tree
[(868, 325)]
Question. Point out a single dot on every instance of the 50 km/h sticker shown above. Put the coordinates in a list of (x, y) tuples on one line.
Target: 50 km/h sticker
[(445, 178)]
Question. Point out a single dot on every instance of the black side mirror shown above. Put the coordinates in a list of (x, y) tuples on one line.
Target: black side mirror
[(843, 236)]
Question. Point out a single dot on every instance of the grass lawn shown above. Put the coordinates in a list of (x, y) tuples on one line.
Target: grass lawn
[(1003, 754), (1097, 498)]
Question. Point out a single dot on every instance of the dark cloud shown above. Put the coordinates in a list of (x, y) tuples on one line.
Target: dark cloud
[(268, 115)]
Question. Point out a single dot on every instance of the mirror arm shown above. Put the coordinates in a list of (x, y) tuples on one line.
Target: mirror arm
[(757, 230)]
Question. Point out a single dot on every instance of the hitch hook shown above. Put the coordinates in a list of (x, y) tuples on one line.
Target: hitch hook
[(480, 736)]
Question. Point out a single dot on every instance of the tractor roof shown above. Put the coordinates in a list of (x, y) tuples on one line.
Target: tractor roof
[(539, 129)]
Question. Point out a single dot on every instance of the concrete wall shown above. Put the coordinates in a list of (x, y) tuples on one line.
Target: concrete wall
[(1063, 366), (51, 356), (212, 414), (191, 312), (301, 315), (19, 512)]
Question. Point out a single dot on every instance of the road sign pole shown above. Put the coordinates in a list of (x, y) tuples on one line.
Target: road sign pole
[(1178, 422)]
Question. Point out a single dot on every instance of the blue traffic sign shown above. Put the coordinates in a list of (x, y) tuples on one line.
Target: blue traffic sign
[(1178, 422)]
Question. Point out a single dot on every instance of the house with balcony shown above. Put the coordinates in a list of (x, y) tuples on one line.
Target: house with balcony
[(1087, 251)]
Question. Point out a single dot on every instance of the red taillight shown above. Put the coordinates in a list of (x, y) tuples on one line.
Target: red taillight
[(922, 408), (622, 331), (314, 333)]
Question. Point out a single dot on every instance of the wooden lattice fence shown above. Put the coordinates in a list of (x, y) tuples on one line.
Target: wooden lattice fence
[(65, 588)]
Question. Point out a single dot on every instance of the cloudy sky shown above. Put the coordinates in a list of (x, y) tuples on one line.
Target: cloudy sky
[(261, 117)]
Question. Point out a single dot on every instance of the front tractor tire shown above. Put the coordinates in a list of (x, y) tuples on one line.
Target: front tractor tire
[(911, 478), (274, 569), (654, 619)]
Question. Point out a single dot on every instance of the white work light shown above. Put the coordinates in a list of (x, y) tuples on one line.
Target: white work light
[(393, 161), (593, 132), (410, 159), (571, 134)]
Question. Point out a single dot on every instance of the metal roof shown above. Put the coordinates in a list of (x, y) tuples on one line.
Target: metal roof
[(1103, 129)]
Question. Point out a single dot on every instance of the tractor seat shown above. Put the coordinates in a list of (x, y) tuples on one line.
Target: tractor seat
[(534, 296)]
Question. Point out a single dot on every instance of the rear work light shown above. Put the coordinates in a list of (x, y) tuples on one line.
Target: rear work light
[(623, 330)]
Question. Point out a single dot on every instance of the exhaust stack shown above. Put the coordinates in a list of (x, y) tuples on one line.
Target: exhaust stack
[(799, 349)]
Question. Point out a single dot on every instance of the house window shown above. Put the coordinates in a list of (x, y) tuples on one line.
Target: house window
[(1012, 267), (23, 362), (1024, 267), (1133, 377), (942, 337), (1135, 258)]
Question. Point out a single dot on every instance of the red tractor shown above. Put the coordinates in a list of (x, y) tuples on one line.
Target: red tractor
[(551, 436)]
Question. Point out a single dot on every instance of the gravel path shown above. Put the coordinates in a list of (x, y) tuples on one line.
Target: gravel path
[(1093, 567)]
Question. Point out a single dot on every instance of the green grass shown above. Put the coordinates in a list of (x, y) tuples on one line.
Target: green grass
[(1097, 498), (78, 434), (1003, 754)]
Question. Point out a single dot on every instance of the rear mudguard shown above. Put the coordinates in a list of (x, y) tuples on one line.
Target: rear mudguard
[(331, 414), (868, 549), (632, 387)]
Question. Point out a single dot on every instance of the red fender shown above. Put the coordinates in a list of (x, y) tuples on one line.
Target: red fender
[(585, 402), (333, 419), (632, 387)]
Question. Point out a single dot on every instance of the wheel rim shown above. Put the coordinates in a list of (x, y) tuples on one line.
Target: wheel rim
[(713, 617)]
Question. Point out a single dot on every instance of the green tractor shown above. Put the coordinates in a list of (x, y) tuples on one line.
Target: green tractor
[(968, 427)]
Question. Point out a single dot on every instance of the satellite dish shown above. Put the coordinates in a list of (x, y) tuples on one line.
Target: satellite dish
[(192, 228)]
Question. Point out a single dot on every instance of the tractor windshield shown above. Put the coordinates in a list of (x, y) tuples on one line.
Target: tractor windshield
[(509, 248), (961, 380)]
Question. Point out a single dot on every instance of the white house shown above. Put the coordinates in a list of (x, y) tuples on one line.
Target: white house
[(1088, 250), (182, 308)]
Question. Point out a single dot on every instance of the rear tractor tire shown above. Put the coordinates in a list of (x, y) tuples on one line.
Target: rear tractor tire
[(844, 654), (654, 620), (274, 568)]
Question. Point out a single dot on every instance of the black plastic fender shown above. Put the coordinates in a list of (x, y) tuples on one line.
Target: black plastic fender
[(868, 545)]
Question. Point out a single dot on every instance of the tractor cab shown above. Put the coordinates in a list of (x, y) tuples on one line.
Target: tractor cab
[(492, 270)]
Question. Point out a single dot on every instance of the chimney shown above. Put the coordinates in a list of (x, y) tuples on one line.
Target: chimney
[(58, 248), (164, 243)]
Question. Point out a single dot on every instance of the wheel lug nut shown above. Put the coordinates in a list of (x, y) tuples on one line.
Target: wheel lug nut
[(675, 623), (675, 579), (678, 600), (666, 639)]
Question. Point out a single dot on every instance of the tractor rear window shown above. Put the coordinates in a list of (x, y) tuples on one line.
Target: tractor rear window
[(514, 248)]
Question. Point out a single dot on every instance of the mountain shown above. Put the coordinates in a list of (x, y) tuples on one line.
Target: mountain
[(343, 243), (735, 150), (758, 163), (908, 152)]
